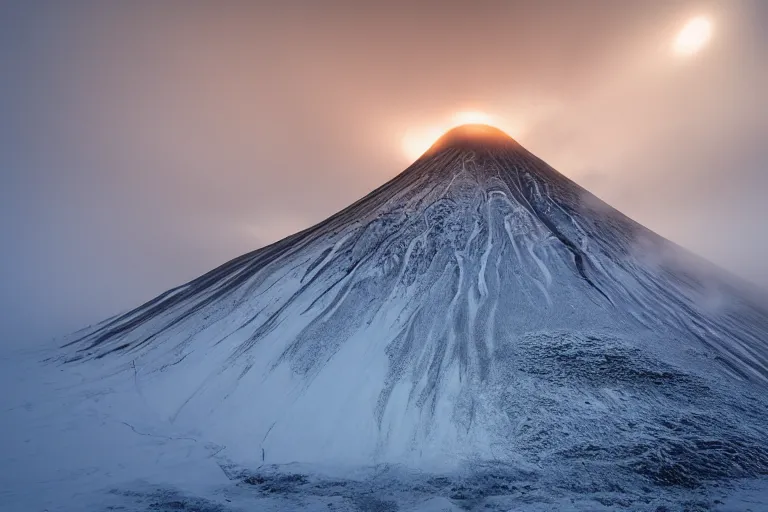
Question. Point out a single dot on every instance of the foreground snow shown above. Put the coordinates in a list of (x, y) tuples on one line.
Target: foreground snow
[(77, 442), (72, 443)]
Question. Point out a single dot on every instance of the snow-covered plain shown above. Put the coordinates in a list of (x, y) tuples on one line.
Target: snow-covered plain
[(478, 333)]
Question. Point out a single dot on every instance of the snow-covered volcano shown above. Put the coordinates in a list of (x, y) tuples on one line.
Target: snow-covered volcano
[(479, 308)]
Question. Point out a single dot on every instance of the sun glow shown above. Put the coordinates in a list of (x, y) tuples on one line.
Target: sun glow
[(693, 36), (417, 140), (471, 117)]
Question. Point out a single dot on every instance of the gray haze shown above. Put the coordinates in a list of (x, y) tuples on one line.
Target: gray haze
[(143, 143)]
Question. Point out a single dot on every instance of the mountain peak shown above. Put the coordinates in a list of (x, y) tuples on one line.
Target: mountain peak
[(479, 310), (473, 136)]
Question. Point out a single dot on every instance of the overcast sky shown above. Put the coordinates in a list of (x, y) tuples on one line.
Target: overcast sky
[(144, 143)]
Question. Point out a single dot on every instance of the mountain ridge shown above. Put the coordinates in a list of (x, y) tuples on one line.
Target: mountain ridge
[(480, 306)]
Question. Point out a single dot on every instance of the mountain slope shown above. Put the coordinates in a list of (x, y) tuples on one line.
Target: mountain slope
[(479, 307)]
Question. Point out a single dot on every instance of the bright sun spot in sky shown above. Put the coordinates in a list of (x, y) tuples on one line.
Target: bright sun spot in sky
[(417, 140), (693, 37)]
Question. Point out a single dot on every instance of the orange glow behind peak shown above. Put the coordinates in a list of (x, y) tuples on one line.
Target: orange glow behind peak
[(417, 140)]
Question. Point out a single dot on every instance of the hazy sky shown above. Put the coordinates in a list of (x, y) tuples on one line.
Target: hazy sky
[(143, 143)]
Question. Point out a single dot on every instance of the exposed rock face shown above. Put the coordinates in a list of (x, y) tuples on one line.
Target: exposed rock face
[(479, 307)]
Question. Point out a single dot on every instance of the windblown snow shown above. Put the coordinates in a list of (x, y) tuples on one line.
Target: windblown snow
[(479, 314)]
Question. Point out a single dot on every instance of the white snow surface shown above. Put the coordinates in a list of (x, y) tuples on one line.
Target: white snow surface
[(479, 332)]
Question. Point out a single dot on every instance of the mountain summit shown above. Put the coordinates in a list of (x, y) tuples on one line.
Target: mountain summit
[(479, 308), (470, 136)]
